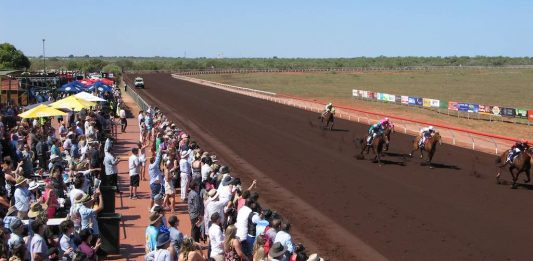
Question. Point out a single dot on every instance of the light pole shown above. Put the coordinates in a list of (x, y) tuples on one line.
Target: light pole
[(44, 58)]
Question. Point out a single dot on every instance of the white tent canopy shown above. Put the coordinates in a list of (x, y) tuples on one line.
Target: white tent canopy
[(88, 97)]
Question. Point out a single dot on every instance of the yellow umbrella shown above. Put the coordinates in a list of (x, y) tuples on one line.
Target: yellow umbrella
[(72, 103), (41, 111)]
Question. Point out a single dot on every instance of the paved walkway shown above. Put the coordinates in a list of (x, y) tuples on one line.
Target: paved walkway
[(135, 212)]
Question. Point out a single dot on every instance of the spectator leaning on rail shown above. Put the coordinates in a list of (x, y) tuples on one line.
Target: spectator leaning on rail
[(156, 177), (196, 210)]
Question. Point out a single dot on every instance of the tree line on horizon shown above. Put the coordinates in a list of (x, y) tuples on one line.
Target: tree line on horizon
[(117, 65), (11, 58)]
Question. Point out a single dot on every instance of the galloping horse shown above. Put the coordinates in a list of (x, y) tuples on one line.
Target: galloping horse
[(326, 119), (521, 163), (387, 134), (376, 146), (430, 147)]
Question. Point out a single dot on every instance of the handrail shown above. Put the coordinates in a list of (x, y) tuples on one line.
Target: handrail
[(409, 120)]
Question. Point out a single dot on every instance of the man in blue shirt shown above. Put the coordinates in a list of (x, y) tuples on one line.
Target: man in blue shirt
[(152, 231), (88, 214), (22, 197)]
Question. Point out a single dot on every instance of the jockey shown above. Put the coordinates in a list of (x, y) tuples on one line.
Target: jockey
[(426, 133), (374, 131), (518, 147), (329, 108), (386, 123)]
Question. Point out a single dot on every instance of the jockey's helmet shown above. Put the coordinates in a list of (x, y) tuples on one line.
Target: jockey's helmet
[(330, 104), (524, 141), (430, 128)]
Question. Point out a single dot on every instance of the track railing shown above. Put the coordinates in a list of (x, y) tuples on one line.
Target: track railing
[(475, 140)]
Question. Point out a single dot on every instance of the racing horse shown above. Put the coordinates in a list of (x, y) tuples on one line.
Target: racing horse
[(430, 147), (377, 146), (520, 163), (327, 118), (386, 135)]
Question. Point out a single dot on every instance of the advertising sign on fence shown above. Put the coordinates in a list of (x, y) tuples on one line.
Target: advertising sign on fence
[(508, 112), (355, 93), (485, 109), (405, 99), (398, 99), (530, 115), (435, 103), (521, 113), (415, 101), (496, 111), (453, 106), (371, 95), (472, 107), (426, 102), (392, 98), (463, 107)]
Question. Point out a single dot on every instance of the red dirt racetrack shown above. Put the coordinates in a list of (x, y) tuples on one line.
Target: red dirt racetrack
[(349, 209)]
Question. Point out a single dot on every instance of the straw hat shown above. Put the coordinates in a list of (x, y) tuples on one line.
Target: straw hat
[(277, 250), (213, 193), (84, 199), (154, 217), (315, 257), (36, 209), (20, 180), (33, 185)]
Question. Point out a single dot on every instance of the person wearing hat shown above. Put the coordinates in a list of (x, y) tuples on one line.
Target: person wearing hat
[(87, 214), (11, 215), (176, 237), (152, 231), (185, 173), (17, 229), (277, 252), (162, 252), (214, 205), (315, 257), (225, 188), (22, 197)]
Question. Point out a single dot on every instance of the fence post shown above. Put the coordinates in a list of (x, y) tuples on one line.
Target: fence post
[(495, 145)]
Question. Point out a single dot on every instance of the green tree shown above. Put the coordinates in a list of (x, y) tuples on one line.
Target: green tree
[(11, 58), (112, 68)]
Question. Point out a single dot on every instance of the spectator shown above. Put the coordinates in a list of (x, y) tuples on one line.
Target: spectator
[(299, 253), (216, 238), (142, 159), (11, 216), (225, 188), (232, 245), (253, 218), (41, 149), (263, 221), (17, 230), (176, 237), (38, 246), (18, 252), (214, 205), (50, 199), (110, 164), (190, 251), (156, 177), (277, 252), (123, 119), (196, 210), (161, 211), (66, 242), (158, 202), (185, 172), (86, 236), (134, 166), (152, 231), (285, 238), (22, 197), (88, 215), (164, 252), (242, 226), (170, 191), (259, 249)]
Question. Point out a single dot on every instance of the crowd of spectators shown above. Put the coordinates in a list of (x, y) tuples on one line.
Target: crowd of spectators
[(226, 217), (52, 169)]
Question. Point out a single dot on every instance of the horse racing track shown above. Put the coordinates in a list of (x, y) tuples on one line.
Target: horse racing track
[(346, 208)]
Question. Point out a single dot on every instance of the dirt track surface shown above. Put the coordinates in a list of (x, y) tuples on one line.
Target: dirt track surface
[(402, 210)]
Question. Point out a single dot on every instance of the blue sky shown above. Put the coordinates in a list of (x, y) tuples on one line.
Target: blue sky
[(239, 28)]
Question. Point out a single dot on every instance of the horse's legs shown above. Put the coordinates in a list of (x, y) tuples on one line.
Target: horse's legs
[(528, 175), (515, 177), (421, 153)]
